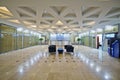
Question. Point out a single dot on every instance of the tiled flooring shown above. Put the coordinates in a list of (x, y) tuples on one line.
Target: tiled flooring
[(35, 63)]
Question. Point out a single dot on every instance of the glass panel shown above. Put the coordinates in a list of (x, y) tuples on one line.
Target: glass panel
[(109, 29), (8, 38)]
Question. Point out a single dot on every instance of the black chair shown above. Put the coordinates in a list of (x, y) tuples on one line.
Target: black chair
[(52, 48), (69, 48), (65, 46)]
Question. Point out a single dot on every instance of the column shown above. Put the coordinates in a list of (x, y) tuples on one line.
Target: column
[(16, 39), (0, 34), (89, 40), (103, 38), (92, 35), (0, 39), (95, 38), (102, 47), (118, 28), (22, 39)]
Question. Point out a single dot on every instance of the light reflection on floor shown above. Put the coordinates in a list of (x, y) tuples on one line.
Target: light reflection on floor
[(30, 62), (33, 60), (97, 68)]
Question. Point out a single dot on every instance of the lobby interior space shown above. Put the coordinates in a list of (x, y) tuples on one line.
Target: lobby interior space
[(60, 40)]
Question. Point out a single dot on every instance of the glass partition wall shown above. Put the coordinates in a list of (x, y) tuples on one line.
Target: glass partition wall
[(96, 37), (60, 40), (8, 38), (12, 38)]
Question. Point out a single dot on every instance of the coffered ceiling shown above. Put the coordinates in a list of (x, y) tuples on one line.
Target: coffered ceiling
[(60, 16)]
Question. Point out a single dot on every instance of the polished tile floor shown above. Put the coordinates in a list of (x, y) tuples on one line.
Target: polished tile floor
[(35, 63)]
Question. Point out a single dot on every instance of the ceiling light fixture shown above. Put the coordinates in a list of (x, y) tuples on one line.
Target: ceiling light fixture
[(53, 27), (28, 23), (15, 21), (4, 8), (33, 26), (4, 16), (65, 27), (59, 22), (91, 23), (5, 11)]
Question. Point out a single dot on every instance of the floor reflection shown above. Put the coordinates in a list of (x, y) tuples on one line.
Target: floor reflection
[(30, 62), (89, 62), (94, 66)]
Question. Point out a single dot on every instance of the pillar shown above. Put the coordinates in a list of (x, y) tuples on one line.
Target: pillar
[(96, 38), (118, 28), (22, 39), (89, 40), (0, 39), (103, 38)]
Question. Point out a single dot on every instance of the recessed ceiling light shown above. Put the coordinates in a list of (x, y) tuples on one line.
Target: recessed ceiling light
[(46, 25), (4, 16), (53, 27), (27, 23), (50, 30), (91, 23), (5, 11), (59, 23), (15, 21), (4, 8), (33, 26), (65, 27)]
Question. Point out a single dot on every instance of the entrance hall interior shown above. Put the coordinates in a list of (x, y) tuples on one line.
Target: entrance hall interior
[(60, 40)]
